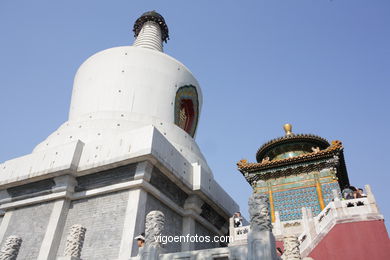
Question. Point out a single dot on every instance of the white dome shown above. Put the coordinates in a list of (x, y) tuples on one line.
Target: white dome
[(124, 88), (129, 79)]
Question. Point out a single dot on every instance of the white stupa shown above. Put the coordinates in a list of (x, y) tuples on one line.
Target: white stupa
[(127, 148), (126, 88)]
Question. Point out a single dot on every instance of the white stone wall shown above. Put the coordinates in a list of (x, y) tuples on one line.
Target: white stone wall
[(147, 143)]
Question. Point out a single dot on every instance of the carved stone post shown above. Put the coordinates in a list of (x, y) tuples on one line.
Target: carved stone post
[(260, 219), (74, 242), (261, 241), (154, 226), (308, 224), (336, 196), (10, 249), (278, 227), (192, 206), (371, 199), (291, 248)]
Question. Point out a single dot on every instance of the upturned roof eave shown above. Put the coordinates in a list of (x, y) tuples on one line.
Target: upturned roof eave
[(334, 149)]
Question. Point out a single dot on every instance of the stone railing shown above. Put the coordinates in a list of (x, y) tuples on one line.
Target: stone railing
[(304, 241), (259, 242), (240, 234), (310, 230), (207, 254), (337, 211), (342, 209)]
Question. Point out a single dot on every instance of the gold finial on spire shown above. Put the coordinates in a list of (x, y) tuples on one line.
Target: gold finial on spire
[(287, 129)]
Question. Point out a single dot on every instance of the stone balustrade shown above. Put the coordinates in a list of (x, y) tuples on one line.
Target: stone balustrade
[(309, 229)]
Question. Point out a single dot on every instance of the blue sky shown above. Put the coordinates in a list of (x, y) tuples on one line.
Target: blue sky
[(318, 64)]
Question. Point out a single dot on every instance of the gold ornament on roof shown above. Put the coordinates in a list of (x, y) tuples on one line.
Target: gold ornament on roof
[(288, 129)]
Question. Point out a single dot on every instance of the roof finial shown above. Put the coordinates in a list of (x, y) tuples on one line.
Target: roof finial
[(287, 129), (150, 31)]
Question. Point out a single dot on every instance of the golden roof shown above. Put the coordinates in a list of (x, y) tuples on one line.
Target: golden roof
[(244, 166)]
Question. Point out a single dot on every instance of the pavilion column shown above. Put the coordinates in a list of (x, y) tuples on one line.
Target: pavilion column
[(271, 201), (319, 191)]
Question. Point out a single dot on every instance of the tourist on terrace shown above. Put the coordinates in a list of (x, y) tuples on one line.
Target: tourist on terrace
[(362, 194), (347, 193), (140, 242), (140, 239), (357, 194), (237, 218)]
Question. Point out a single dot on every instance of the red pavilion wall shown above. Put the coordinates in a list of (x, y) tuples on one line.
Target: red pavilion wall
[(357, 240)]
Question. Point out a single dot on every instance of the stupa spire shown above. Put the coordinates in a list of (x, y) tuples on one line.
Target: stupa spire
[(150, 31)]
